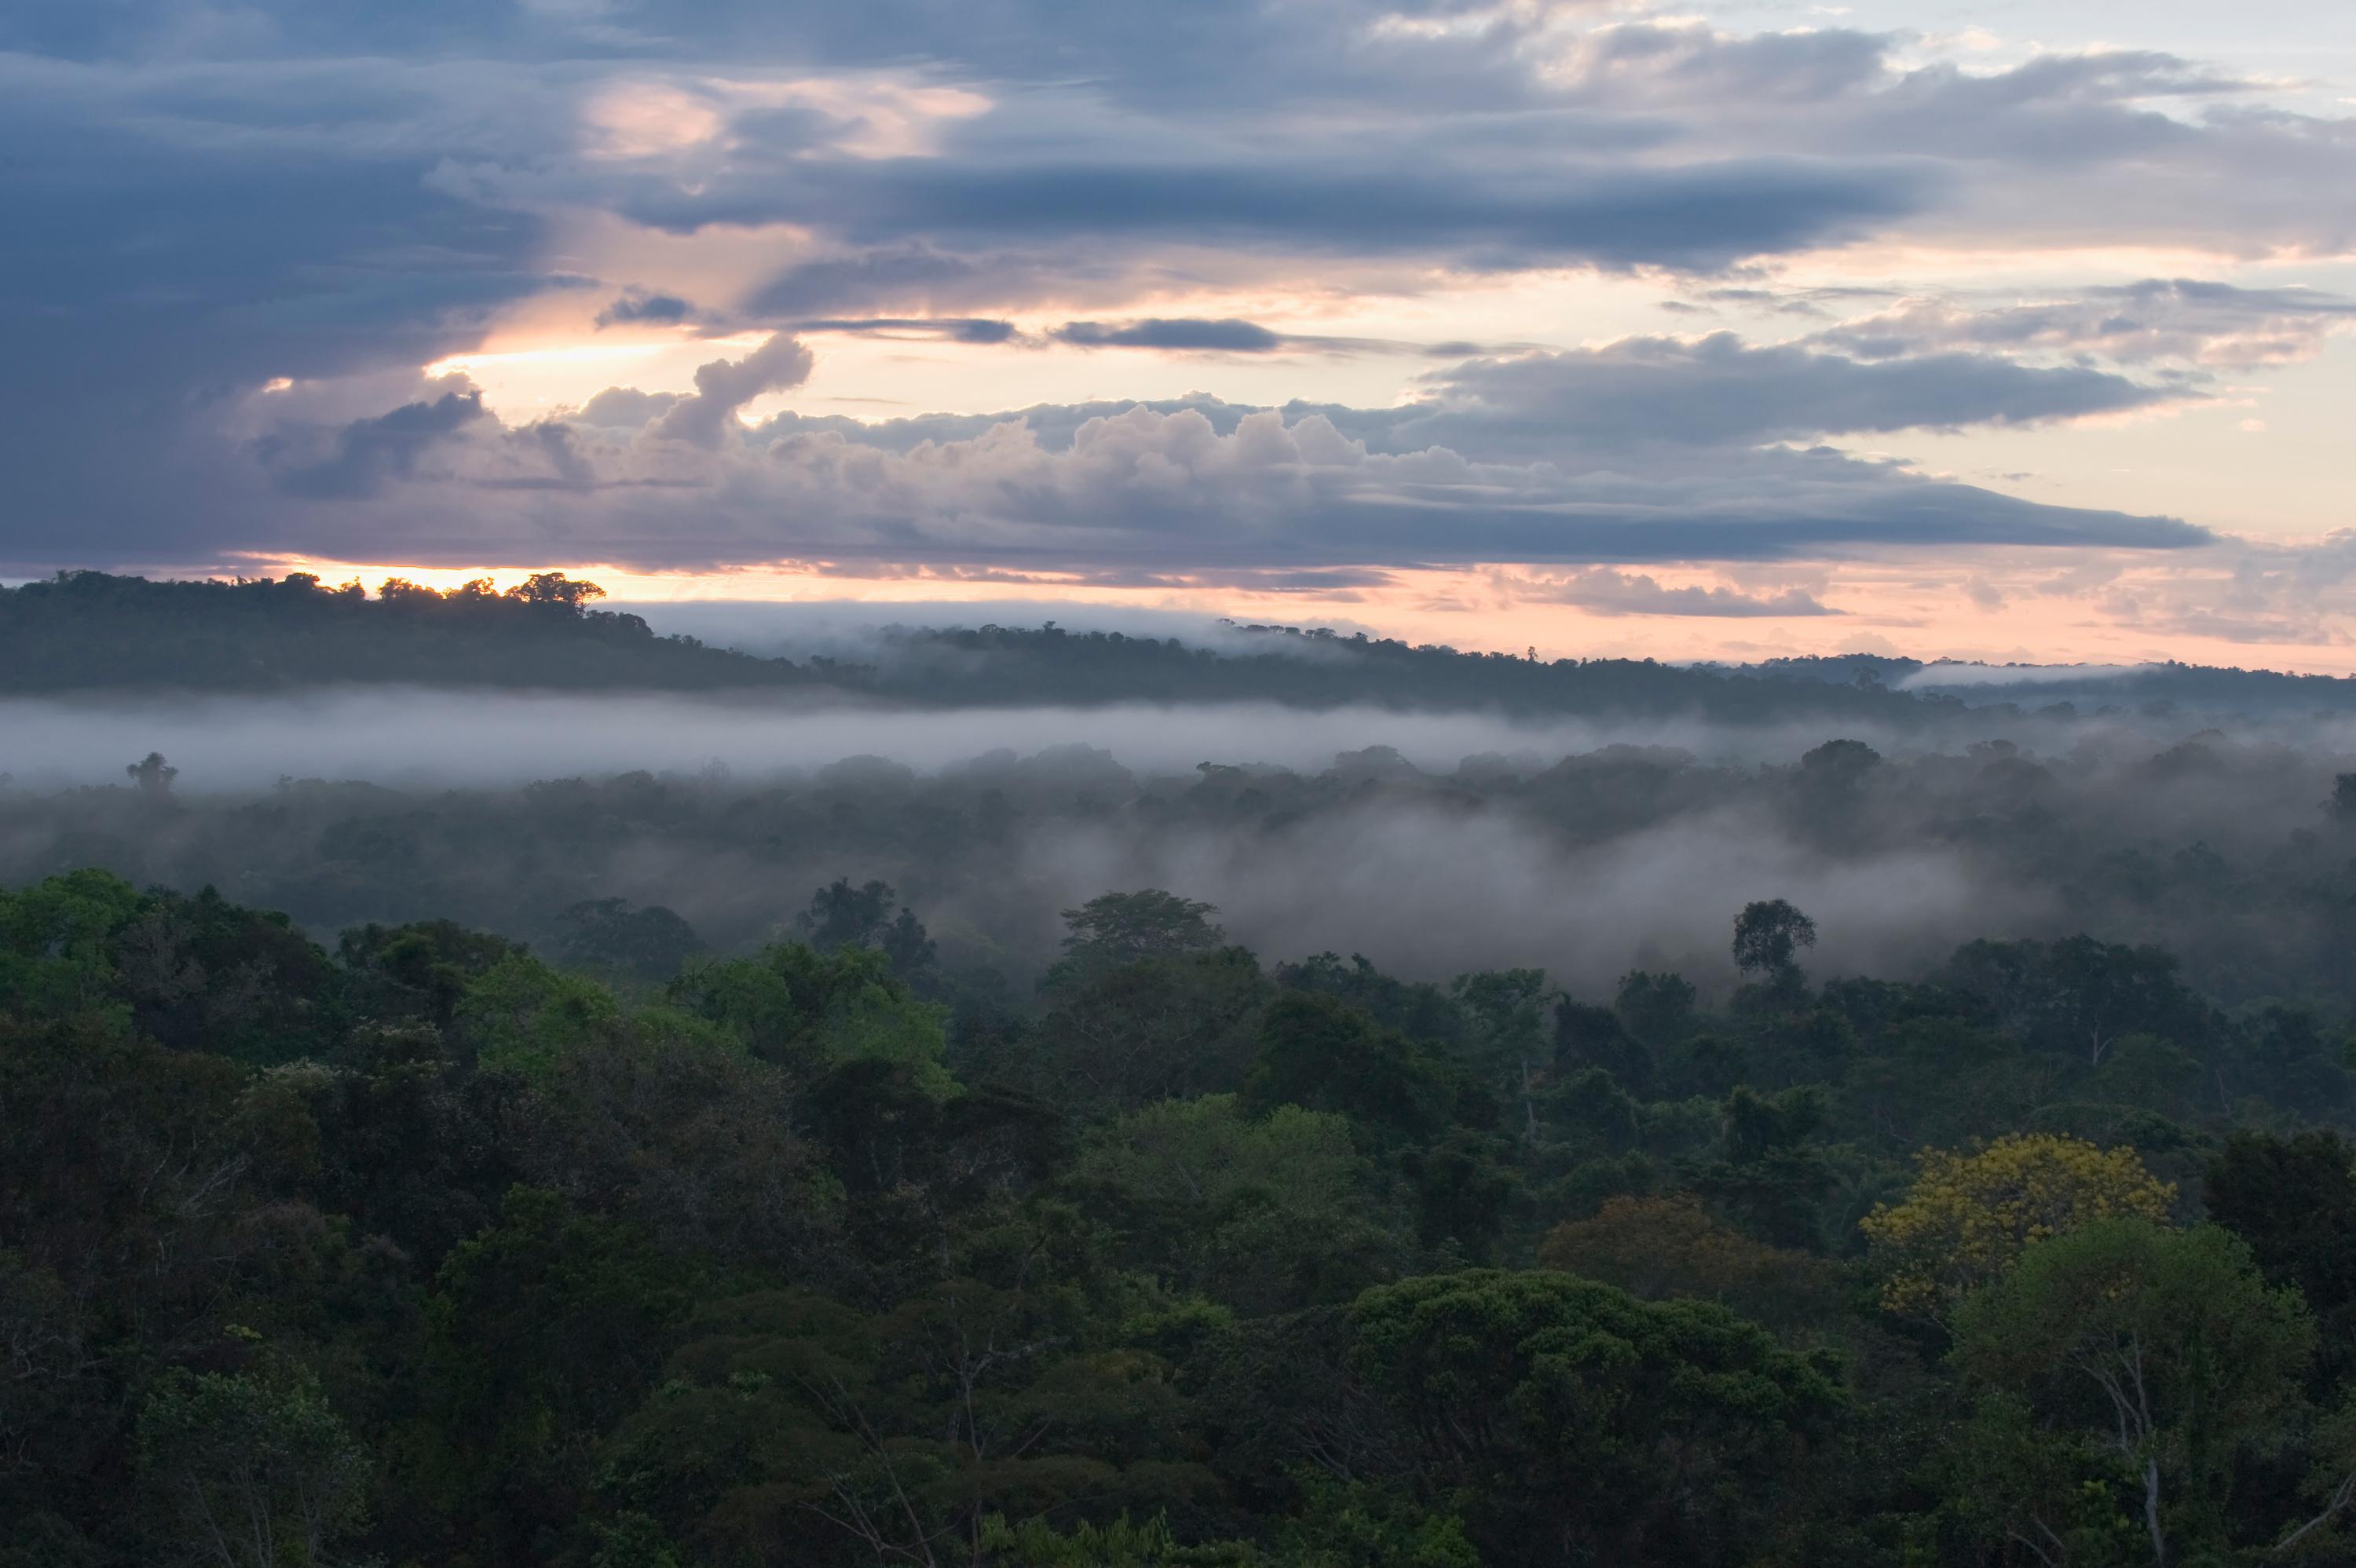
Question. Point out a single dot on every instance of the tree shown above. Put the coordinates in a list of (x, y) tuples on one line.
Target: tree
[(1770, 1173), (841, 915), (1768, 935), (1840, 764), (797, 1007), (1462, 1186), (2293, 1200), (907, 944), (1261, 1214), (1575, 1424), (2162, 1348), (2341, 806), (1968, 1216), (1124, 928), (553, 589), (609, 937), (1594, 1037), (524, 1015), (2080, 996), (154, 775), (248, 1471), (541, 1333), (1663, 1247), (1657, 1008), (1508, 1044), (1035, 1543), (1317, 1051), (1160, 1027)]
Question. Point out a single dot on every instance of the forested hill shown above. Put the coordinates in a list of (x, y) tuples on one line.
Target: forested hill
[(90, 630), (87, 631), (2168, 685)]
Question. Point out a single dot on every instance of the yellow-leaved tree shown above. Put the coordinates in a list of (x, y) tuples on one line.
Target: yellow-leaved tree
[(1970, 1215)]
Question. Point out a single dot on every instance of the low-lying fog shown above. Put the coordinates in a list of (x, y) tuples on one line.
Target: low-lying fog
[(411, 737), (1481, 843)]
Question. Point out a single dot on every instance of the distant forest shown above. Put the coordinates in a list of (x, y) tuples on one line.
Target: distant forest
[(90, 630)]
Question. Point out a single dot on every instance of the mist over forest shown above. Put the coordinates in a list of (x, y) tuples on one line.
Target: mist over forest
[(1434, 811), (493, 1082), (1441, 842)]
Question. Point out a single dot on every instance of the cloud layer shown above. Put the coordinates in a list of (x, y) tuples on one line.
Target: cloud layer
[(246, 230)]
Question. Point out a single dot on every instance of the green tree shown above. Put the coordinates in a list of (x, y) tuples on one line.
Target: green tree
[(799, 1009), (1575, 1424), (2161, 1349), (1770, 1173), (1319, 1053), (1123, 928), (1258, 1212), (542, 1334), (248, 1471), (55, 941), (2293, 1200), (1508, 1046), (1157, 1028), (524, 1015)]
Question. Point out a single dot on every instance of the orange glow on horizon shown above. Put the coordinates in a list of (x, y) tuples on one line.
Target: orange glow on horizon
[(1924, 611)]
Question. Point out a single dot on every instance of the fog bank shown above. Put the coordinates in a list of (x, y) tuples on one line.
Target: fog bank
[(408, 736)]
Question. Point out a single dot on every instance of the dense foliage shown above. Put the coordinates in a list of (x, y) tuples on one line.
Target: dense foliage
[(424, 1250)]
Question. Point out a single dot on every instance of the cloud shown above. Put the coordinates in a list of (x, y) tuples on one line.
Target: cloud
[(636, 306), (1606, 593), (947, 329), (1205, 493), (626, 408), (724, 386), (1699, 215), (2191, 321), (1720, 390), (332, 196), (1227, 335), (1231, 335), (368, 454)]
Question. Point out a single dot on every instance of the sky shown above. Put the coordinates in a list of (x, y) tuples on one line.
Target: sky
[(1995, 330)]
